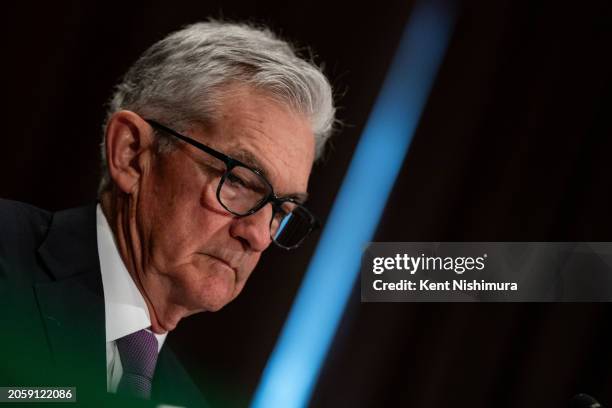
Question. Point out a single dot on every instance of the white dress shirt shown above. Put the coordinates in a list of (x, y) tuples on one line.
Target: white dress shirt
[(125, 309)]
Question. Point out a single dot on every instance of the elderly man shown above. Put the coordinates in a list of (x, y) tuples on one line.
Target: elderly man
[(207, 150)]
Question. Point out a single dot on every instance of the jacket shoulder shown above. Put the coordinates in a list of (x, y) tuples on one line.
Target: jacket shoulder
[(24, 227), (21, 220)]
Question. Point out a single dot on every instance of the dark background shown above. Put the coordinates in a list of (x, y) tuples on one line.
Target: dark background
[(514, 145)]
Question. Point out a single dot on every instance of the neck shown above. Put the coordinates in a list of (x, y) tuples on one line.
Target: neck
[(120, 212)]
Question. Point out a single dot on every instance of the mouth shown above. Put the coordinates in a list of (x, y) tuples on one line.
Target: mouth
[(223, 262)]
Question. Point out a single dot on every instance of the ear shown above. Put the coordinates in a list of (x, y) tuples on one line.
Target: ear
[(129, 142)]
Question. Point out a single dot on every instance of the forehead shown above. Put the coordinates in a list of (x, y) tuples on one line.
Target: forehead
[(254, 128)]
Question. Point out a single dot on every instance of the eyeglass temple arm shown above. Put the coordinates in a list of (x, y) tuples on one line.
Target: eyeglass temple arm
[(189, 140)]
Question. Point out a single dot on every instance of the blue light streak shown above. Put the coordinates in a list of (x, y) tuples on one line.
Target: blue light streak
[(293, 368)]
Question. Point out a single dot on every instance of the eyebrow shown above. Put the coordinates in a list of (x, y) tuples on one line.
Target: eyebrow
[(251, 160)]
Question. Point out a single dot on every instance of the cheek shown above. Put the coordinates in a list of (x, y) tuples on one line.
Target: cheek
[(201, 285), (209, 278), (182, 235), (179, 226)]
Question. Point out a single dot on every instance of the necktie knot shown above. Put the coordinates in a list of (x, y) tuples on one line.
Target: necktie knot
[(138, 353)]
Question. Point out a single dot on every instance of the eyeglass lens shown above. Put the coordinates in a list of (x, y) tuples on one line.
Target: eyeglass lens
[(292, 227), (242, 190)]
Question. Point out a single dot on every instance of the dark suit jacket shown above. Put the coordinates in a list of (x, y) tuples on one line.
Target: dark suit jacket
[(52, 310)]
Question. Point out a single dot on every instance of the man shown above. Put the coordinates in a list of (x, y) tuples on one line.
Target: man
[(207, 150)]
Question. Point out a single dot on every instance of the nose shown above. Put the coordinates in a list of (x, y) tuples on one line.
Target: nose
[(254, 230)]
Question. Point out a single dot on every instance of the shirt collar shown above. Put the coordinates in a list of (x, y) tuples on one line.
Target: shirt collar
[(125, 309)]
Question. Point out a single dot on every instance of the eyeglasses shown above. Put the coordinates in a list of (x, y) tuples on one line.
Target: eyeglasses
[(243, 191)]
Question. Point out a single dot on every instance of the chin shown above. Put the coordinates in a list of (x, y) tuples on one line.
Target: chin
[(214, 299), (206, 288), (216, 307), (209, 305)]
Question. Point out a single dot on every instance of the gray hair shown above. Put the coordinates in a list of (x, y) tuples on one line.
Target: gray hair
[(178, 80)]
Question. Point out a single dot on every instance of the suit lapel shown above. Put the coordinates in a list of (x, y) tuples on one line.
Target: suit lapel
[(172, 384), (72, 306)]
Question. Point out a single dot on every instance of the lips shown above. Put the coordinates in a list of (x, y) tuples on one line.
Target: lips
[(223, 261)]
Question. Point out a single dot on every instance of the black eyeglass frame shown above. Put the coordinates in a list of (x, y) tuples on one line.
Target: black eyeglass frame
[(230, 164)]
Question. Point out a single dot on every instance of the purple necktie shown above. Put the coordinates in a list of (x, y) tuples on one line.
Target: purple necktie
[(138, 353)]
